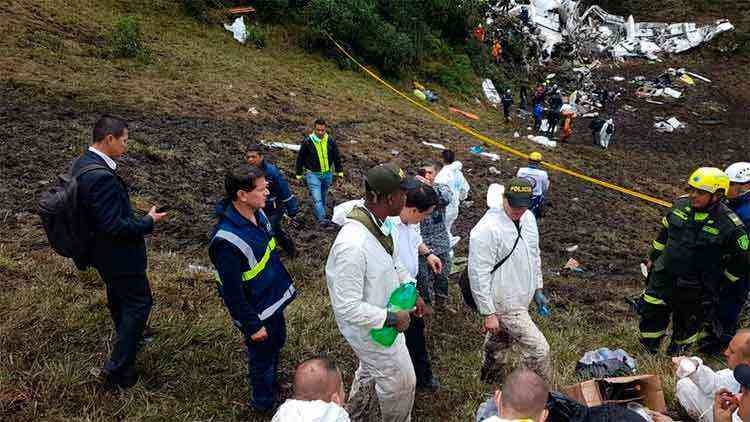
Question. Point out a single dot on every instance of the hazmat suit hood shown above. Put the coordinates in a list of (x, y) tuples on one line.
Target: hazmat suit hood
[(310, 411), (342, 210)]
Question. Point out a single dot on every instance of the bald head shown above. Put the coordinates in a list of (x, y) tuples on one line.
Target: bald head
[(318, 379), (738, 350), (524, 396)]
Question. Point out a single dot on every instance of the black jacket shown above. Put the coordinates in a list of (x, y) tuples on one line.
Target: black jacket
[(307, 157), (118, 245)]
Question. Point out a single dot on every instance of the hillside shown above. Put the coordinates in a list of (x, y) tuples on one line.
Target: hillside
[(188, 107)]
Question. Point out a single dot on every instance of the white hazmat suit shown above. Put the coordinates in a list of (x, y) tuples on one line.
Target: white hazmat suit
[(696, 390), (509, 291), (452, 176), (361, 275)]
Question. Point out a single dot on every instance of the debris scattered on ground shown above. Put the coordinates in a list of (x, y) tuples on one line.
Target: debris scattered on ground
[(199, 269), (572, 265), (572, 248), (594, 31), (394, 152), (669, 125), (542, 140), (430, 144), (655, 102), (490, 92), (253, 111), (629, 108), (238, 29), (293, 147), (494, 170), (516, 134), (463, 113)]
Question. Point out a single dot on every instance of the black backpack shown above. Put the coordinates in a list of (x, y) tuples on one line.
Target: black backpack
[(64, 222)]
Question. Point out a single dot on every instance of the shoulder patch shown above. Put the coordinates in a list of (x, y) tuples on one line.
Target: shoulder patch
[(743, 242), (736, 220)]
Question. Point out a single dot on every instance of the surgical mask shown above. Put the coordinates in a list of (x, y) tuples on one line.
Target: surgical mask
[(387, 227)]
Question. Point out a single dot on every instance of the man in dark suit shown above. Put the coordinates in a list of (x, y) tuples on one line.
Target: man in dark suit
[(118, 249)]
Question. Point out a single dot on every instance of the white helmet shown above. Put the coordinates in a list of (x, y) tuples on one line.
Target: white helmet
[(739, 172)]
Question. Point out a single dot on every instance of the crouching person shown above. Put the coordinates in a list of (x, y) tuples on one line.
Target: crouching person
[(252, 281), (318, 394)]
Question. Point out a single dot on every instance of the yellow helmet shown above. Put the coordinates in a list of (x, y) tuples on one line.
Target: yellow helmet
[(709, 179), (535, 156)]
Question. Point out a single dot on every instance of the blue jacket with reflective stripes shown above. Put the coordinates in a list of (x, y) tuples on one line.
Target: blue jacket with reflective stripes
[(281, 198), (741, 207), (252, 281)]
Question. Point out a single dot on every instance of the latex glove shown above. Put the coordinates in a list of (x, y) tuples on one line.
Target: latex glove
[(540, 298), (542, 303)]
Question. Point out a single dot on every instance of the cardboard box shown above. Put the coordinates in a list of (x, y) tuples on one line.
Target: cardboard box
[(643, 389)]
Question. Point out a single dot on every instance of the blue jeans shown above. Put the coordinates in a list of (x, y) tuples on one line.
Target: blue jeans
[(263, 362), (318, 184)]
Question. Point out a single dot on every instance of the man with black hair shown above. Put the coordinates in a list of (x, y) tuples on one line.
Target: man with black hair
[(420, 203), (317, 158), (362, 271), (280, 200), (318, 394), (118, 248), (436, 237), (252, 281)]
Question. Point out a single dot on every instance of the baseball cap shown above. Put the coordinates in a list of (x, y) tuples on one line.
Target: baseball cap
[(742, 375), (519, 193), (387, 178)]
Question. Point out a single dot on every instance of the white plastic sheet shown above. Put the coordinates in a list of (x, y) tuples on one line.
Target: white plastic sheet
[(542, 140), (490, 91), (238, 29)]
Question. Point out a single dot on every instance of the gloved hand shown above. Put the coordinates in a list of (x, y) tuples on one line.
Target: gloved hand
[(542, 303)]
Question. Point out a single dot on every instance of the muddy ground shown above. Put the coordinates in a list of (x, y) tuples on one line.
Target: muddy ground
[(180, 160)]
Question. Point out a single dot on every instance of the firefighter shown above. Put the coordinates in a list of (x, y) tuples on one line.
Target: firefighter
[(702, 247)]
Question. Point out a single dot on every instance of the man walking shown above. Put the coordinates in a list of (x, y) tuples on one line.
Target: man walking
[(507, 101), (362, 271), (317, 158), (701, 248), (540, 180), (280, 201), (118, 247), (505, 274), (252, 281)]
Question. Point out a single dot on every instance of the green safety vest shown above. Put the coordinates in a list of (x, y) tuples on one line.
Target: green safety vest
[(321, 147)]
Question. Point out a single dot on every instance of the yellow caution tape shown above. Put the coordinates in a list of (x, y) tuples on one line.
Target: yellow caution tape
[(498, 144)]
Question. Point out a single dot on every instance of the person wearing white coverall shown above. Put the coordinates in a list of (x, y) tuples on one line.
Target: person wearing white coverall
[(362, 271), (318, 394), (697, 383), (503, 295), (452, 176)]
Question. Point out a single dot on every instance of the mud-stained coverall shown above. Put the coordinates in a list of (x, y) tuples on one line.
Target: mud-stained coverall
[(509, 290)]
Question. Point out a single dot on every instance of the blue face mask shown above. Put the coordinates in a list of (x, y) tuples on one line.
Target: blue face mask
[(387, 227)]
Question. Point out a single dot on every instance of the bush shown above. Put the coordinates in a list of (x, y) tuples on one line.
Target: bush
[(256, 34), (126, 39), (202, 10)]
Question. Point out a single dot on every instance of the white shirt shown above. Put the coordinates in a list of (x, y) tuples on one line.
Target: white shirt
[(409, 239), (310, 411), (541, 179), (110, 162)]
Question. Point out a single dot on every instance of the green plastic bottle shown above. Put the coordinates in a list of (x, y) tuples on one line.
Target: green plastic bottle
[(404, 298)]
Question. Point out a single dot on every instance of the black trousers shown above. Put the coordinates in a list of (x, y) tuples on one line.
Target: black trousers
[(129, 301), (420, 358), (665, 298)]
